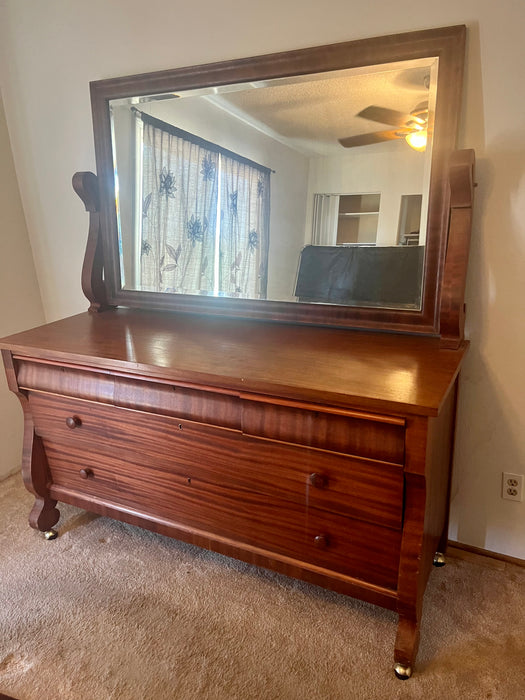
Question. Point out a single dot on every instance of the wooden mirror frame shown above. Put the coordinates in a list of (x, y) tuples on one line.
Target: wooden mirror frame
[(101, 274)]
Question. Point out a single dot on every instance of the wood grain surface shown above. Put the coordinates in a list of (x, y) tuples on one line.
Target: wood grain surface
[(320, 453), (114, 443), (380, 372)]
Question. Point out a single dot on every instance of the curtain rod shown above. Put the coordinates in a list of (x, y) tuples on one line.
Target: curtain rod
[(197, 140)]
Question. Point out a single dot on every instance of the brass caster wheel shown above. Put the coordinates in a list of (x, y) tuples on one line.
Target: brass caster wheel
[(50, 534), (403, 672), (439, 559)]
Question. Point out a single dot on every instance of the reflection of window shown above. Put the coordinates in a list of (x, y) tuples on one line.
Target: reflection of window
[(205, 216), (345, 219)]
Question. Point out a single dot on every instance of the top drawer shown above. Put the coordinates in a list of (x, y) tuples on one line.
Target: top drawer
[(213, 407), (338, 430)]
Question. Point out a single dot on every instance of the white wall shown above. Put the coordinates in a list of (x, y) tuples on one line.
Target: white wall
[(53, 49), (20, 304), (392, 169)]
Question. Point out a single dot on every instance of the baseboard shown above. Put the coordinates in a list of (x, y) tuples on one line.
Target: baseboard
[(467, 551)]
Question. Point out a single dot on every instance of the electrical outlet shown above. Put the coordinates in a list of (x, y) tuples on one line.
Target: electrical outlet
[(512, 487)]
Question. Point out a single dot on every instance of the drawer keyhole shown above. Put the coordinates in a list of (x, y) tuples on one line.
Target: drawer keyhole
[(73, 422), (318, 481)]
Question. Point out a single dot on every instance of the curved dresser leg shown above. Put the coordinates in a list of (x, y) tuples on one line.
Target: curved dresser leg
[(35, 469), (407, 642), (44, 515)]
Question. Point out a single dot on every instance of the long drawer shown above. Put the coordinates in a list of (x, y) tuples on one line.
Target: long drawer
[(222, 483), (349, 486), (346, 545)]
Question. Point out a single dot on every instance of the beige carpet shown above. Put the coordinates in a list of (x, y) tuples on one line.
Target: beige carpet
[(110, 611)]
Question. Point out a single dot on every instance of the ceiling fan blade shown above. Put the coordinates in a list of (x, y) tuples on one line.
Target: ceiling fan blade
[(383, 115), (368, 139)]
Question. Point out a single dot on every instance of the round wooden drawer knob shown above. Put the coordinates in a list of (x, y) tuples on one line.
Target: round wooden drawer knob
[(85, 473), (73, 422), (321, 541), (318, 481)]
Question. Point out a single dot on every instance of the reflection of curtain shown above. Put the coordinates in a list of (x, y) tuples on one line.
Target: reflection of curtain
[(324, 226), (185, 180), (178, 213), (243, 257)]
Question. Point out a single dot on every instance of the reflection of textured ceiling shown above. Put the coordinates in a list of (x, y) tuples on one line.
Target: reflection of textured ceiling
[(312, 115)]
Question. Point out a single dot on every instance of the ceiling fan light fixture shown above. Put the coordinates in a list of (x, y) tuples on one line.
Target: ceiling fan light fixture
[(417, 139)]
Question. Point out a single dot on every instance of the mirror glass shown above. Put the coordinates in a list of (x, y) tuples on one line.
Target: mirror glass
[(309, 189)]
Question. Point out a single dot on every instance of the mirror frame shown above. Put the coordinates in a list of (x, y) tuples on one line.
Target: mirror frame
[(447, 44)]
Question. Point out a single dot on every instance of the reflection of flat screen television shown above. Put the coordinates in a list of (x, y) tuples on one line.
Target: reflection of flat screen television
[(361, 275)]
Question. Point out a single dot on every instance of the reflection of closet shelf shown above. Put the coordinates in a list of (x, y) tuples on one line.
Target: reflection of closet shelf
[(358, 218), (358, 213)]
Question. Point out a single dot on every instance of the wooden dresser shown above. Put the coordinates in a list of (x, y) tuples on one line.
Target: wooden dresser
[(314, 439), (320, 453)]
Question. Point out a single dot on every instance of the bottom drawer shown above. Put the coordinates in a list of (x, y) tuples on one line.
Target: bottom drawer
[(352, 547)]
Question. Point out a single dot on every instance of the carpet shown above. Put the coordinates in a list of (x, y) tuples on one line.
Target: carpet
[(109, 611)]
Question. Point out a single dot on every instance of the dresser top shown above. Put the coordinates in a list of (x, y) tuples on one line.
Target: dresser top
[(381, 372)]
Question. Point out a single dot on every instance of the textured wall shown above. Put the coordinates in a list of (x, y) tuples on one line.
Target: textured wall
[(53, 49)]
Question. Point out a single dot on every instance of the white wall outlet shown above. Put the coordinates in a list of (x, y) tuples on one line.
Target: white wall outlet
[(512, 486)]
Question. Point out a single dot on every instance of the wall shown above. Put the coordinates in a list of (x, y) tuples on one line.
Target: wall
[(20, 304), (392, 169), (53, 49)]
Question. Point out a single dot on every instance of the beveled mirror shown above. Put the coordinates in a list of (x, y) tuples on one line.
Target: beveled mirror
[(306, 186)]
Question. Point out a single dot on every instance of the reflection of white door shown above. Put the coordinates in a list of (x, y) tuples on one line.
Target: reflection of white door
[(325, 219)]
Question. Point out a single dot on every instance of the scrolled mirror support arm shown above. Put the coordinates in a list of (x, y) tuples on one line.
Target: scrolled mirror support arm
[(85, 185)]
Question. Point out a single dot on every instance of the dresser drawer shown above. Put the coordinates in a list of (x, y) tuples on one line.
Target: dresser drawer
[(191, 502), (352, 547), (204, 406), (350, 432), (359, 488)]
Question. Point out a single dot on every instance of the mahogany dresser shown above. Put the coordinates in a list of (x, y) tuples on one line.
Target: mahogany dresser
[(320, 453), (312, 439)]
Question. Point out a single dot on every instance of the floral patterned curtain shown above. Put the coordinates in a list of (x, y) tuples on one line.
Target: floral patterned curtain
[(185, 180), (245, 219), (179, 185)]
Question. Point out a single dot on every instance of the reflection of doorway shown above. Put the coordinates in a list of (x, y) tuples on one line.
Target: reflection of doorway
[(345, 219), (409, 219)]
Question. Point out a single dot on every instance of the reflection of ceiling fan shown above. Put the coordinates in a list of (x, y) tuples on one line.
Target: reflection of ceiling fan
[(412, 127)]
